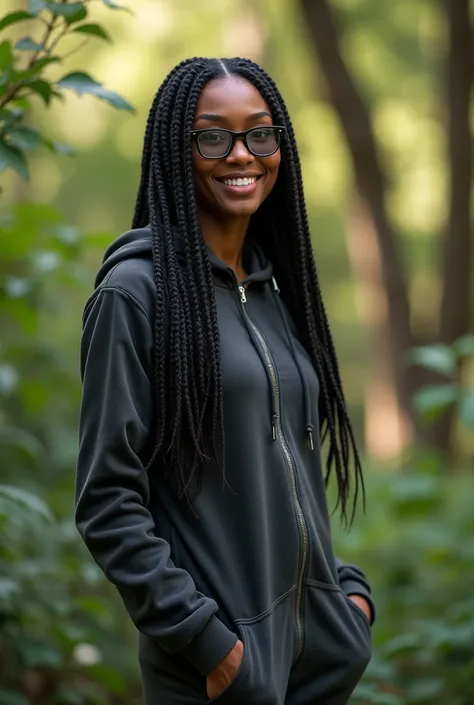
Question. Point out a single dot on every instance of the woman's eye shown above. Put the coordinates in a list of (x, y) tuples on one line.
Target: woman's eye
[(261, 134), (212, 136)]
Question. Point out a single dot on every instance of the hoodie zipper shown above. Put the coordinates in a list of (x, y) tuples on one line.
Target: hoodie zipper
[(277, 430)]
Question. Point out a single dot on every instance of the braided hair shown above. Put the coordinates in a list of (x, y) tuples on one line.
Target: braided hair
[(188, 385)]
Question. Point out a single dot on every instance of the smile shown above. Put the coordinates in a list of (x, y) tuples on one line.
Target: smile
[(247, 181)]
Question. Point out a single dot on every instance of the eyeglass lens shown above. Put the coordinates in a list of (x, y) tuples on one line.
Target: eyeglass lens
[(260, 141)]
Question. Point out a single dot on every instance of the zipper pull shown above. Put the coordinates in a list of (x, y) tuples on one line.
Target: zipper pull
[(243, 297), (274, 420)]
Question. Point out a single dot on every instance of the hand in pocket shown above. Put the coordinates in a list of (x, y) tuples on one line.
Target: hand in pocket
[(224, 673)]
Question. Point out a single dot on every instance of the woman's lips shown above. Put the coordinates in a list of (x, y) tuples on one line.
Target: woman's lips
[(239, 185)]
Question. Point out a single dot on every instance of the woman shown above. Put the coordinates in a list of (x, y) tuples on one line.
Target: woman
[(208, 371)]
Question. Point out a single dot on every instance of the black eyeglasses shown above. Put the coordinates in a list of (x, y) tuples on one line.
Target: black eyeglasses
[(217, 143)]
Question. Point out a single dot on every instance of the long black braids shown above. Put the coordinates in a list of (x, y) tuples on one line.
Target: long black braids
[(189, 423)]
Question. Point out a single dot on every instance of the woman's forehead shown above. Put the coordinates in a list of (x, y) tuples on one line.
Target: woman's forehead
[(229, 97)]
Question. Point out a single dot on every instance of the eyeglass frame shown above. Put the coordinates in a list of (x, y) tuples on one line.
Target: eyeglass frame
[(235, 136)]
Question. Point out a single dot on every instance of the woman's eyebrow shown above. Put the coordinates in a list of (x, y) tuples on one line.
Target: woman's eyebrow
[(209, 116), (219, 118)]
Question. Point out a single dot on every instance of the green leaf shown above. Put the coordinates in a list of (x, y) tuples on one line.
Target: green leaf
[(9, 116), (12, 158), (21, 104), (6, 55), (8, 587), (466, 409), (14, 17), (35, 6), (20, 441), (82, 84), (12, 697), (464, 347), (438, 358), (110, 677), (432, 401), (29, 44), (426, 690), (114, 6), (58, 147), (8, 378), (72, 12), (27, 500), (45, 61), (71, 697), (98, 609), (24, 138), (34, 654), (42, 88), (94, 30)]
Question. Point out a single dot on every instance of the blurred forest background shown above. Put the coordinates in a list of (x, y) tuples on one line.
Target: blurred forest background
[(381, 99)]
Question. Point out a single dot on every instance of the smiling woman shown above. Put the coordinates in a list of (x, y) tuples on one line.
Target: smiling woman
[(210, 380), (237, 157)]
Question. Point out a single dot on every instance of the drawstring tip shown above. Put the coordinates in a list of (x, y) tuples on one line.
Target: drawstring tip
[(309, 431)]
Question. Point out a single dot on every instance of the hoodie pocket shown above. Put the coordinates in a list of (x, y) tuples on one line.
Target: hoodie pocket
[(337, 642), (268, 640)]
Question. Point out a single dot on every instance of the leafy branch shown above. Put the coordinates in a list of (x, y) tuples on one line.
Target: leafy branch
[(21, 80)]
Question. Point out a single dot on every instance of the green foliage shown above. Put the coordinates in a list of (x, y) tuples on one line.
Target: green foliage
[(62, 635), (60, 630), (417, 544), (25, 74), (81, 83), (433, 400)]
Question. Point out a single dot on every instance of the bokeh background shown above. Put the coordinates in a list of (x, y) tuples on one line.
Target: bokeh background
[(381, 99)]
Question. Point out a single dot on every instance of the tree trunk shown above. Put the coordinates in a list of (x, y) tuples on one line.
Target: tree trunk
[(373, 249), (456, 314), (456, 305)]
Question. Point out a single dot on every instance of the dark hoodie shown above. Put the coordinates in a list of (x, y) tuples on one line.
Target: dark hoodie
[(254, 560)]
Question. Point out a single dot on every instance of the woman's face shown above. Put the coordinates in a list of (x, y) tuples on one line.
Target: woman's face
[(235, 104)]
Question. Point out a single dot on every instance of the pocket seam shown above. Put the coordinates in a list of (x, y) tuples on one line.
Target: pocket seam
[(252, 620), (322, 586)]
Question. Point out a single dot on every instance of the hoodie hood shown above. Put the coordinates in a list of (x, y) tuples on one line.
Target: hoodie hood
[(137, 243), (134, 243)]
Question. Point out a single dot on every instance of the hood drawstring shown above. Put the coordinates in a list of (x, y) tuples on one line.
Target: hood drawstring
[(307, 401)]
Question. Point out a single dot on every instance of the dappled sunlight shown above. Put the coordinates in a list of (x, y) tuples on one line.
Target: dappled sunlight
[(82, 121), (323, 156), (243, 34), (425, 295), (153, 19), (46, 179), (417, 203)]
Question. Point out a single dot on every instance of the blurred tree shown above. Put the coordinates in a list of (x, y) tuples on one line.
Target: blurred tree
[(373, 242)]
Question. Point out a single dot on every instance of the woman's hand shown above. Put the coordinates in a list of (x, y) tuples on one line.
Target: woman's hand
[(224, 673), (362, 604)]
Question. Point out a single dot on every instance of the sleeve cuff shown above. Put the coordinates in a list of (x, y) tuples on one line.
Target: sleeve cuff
[(210, 646), (353, 587)]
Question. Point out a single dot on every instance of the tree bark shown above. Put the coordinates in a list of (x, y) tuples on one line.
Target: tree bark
[(456, 305), (372, 246), (456, 313)]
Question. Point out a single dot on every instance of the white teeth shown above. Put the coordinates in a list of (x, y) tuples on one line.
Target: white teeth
[(240, 182)]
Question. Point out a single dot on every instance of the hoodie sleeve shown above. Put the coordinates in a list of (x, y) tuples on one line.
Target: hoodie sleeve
[(353, 582), (112, 487)]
